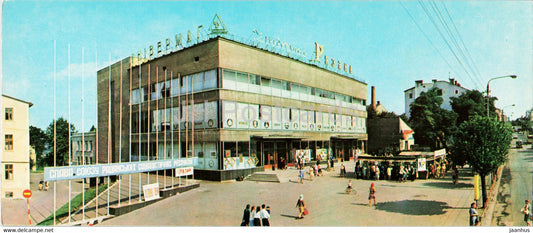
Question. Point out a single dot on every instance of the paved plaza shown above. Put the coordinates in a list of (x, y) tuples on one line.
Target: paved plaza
[(435, 202)]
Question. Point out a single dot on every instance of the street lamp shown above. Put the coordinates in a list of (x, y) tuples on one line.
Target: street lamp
[(488, 90)]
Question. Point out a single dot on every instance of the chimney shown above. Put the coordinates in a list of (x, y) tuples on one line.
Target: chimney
[(379, 103), (452, 81), (434, 80), (374, 97), (418, 82)]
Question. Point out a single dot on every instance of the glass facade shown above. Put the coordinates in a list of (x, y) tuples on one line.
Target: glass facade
[(239, 81)]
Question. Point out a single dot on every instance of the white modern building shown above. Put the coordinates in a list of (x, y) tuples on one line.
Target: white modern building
[(15, 165), (447, 90)]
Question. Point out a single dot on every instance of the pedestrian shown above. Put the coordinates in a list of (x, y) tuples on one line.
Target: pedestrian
[(311, 171), (372, 195), (389, 172), (246, 216), (376, 177), (473, 214), (343, 170), (265, 216), (443, 170), (46, 185), (257, 216), (252, 216), (527, 213), (41, 185), (301, 176), (301, 206)]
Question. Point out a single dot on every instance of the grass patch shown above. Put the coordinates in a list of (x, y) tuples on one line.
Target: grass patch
[(75, 204), (38, 170)]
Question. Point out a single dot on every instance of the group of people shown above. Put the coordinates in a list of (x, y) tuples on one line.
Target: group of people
[(43, 185), (256, 216)]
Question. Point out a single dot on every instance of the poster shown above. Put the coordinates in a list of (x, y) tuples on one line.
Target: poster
[(151, 191), (322, 154), (422, 164), (304, 154)]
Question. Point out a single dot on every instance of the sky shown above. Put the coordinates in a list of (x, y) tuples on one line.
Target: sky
[(389, 44)]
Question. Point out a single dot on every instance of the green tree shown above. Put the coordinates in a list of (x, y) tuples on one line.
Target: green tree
[(433, 125), (468, 104), (484, 143), (61, 142), (38, 140)]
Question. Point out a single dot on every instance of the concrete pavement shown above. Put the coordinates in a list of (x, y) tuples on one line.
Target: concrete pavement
[(420, 203)]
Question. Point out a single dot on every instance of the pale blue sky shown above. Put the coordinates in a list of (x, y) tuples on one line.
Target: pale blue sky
[(378, 39)]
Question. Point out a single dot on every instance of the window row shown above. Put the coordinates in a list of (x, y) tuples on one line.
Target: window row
[(245, 82), (79, 146), (204, 115), (253, 116), (174, 86)]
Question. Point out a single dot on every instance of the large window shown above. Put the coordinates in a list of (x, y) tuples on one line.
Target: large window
[(8, 171), (9, 114), (9, 142)]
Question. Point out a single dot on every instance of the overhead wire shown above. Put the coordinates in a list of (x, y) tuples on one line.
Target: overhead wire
[(455, 42), (429, 40), (428, 14), (469, 55)]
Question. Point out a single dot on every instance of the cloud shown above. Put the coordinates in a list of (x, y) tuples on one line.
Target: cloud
[(77, 71)]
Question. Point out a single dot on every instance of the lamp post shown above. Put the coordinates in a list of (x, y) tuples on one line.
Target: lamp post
[(488, 89)]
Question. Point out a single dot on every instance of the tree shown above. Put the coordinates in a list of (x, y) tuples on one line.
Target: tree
[(38, 140), (433, 125), (62, 142), (484, 143), (468, 104)]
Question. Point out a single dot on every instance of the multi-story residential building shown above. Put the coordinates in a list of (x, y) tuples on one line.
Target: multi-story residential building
[(16, 147), (446, 90), (249, 108), (83, 148)]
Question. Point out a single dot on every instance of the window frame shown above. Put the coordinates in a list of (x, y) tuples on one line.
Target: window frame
[(6, 140), (8, 171), (8, 115)]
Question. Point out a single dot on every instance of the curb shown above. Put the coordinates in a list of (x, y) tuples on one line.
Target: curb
[(488, 213)]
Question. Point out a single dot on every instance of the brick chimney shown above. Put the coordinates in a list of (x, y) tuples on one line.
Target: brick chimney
[(374, 97)]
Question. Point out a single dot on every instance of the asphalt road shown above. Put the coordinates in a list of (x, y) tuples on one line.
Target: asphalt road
[(516, 186)]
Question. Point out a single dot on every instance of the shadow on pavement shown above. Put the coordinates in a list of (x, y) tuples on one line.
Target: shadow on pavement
[(414, 207), (448, 185), (289, 216)]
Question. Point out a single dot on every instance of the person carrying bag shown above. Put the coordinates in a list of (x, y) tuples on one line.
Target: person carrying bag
[(301, 206)]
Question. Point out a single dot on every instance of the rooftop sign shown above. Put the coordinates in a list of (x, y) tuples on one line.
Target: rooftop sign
[(258, 40)]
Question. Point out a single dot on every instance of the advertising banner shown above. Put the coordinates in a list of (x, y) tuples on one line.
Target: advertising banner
[(422, 164), (151, 191), (112, 169), (184, 171)]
